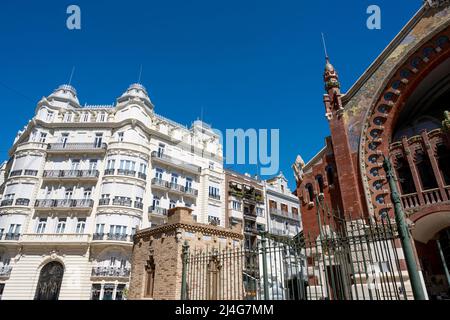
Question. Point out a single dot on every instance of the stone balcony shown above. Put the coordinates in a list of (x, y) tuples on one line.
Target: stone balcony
[(64, 204), (284, 214), (20, 173), (76, 147), (55, 238), (110, 272), (61, 175), (180, 164)]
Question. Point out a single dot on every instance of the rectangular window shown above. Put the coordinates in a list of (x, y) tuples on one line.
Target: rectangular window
[(188, 183), (14, 229), (93, 164), (211, 166), (101, 117), (43, 137), (68, 194), (96, 291), (85, 117), (64, 138), (67, 117), (172, 204), (81, 225), (98, 140), (111, 164), (49, 116), (161, 149), (142, 168), (159, 174), (174, 178), (236, 205), (120, 136), (100, 228), (75, 165), (214, 192), (42, 223), (155, 202), (61, 226)]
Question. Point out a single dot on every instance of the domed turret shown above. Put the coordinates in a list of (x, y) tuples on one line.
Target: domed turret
[(136, 91), (65, 96)]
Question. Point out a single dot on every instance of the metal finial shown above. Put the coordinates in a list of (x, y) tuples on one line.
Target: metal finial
[(71, 75), (324, 46)]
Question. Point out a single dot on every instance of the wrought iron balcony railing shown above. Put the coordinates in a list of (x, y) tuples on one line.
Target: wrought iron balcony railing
[(142, 176), (104, 202), (111, 272), (22, 202), (214, 196), (11, 236), (109, 172), (7, 203), (157, 211), (118, 237), (160, 183), (176, 187), (122, 202), (138, 205), (30, 172), (5, 271), (68, 174), (76, 147), (15, 173), (190, 191), (125, 172)]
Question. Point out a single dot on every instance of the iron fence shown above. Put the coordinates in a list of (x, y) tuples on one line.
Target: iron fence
[(347, 258)]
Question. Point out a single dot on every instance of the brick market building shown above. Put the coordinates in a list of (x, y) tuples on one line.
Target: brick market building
[(399, 109)]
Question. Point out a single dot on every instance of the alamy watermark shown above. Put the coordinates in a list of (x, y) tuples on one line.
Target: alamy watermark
[(374, 19), (73, 21)]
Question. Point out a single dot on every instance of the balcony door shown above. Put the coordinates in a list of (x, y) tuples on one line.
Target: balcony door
[(50, 280)]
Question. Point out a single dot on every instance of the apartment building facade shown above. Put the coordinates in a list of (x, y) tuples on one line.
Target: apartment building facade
[(81, 180)]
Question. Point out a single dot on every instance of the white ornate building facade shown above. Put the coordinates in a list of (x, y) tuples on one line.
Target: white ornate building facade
[(82, 179)]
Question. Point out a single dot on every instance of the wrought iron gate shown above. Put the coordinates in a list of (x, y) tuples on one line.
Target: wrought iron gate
[(351, 258)]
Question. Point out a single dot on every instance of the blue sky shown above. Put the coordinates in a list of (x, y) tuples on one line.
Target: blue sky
[(246, 64)]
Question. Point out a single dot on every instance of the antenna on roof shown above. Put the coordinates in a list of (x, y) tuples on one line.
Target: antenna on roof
[(71, 75), (140, 74), (324, 46)]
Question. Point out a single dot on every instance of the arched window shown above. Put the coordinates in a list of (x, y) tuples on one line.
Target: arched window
[(50, 280), (330, 175), (443, 156), (149, 278), (404, 176), (310, 190), (425, 170), (320, 183)]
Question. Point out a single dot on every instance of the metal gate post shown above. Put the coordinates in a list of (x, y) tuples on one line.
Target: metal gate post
[(404, 234), (185, 256), (264, 265)]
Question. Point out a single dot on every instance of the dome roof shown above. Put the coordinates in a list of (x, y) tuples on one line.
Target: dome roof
[(136, 90), (65, 93)]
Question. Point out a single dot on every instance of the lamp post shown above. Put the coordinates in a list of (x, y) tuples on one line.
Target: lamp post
[(404, 234)]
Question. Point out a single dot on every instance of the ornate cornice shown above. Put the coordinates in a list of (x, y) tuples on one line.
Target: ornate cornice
[(191, 227)]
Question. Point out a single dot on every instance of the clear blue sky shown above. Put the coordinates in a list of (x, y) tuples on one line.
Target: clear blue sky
[(248, 64)]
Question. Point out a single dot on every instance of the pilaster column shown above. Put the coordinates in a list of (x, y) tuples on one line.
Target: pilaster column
[(434, 164), (413, 169)]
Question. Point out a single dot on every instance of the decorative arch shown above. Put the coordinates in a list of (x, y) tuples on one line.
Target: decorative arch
[(50, 280), (381, 117)]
